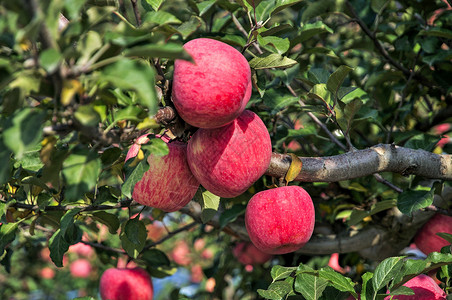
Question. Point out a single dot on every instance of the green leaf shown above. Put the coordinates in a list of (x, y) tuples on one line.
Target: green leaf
[(340, 282), (209, 205), (318, 75), (368, 289), (67, 220), (277, 290), (422, 141), (108, 219), (283, 4), (133, 175), (7, 234), (23, 130), (312, 29), (316, 9), (280, 272), (438, 32), (446, 236), (337, 78), (129, 113), (386, 271), (411, 200), (50, 59), (310, 286), (188, 28), (320, 92), (168, 50), (160, 18), (276, 100), (30, 160), (155, 4), (133, 237), (58, 246), (155, 258), (134, 75), (81, 170), (272, 60), (377, 5), (156, 147), (87, 115), (5, 166), (230, 215), (272, 43)]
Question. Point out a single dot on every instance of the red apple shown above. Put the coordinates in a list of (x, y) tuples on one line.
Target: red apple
[(181, 254), (248, 254), (229, 159), (47, 273), (81, 249), (214, 90), (426, 239), (210, 284), (424, 287), (196, 273), (156, 230), (280, 220), (168, 184), (199, 244), (207, 253), (80, 268), (126, 284)]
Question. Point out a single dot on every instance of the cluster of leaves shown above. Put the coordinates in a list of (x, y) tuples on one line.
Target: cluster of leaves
[(74, 95)]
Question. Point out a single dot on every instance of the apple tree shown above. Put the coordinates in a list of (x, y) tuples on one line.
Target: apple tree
[(356, 99)]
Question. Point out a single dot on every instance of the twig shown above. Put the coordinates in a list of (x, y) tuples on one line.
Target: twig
[(171, 234), (136, 12)]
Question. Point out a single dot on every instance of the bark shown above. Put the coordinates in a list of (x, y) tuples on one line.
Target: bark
[(360, 163)]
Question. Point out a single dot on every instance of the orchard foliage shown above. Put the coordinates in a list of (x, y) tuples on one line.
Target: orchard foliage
[(80, 80)]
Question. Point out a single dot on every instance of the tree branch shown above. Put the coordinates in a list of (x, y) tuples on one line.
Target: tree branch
[(360, 163)]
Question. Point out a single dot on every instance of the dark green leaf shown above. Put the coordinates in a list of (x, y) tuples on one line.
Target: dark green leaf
[(108, 219), (368, 290), (280, 272), (271, 61), (312, 29), (230, 215), (188, 28), (155, 258), (412, 200), (135, 231), (386, 271), (339, 281), (438, 32), (133, 175), (337, 78), (58, 246), (277, 290), (168, 50), (7, 234), (67, 220)]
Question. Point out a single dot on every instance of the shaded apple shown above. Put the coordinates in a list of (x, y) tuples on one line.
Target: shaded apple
[(228, 160), (126, 284), (168, 184), (247, 254), (214, 90), (80, 268), (426, 239), (81, 249), (181, 253), (424, 287), (280, 220)]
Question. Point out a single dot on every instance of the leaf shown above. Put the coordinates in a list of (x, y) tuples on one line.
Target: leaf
[(156, 147), (87, 115), (279, 44), (438, 32), (155, 258), (58, 246), (67, 220), (310, 286), (81, 170), (276, 290), (446, 236), (134, 75), (340, 282), (160, 18), (188, 28), (386, 271), (50, 59), (280, 272), (133, 175), (411, 200), (377, 5), (294, 169), (108, 219), (283, 4), (209, 205), (155, 4), (23, 130), (5, 166), (168, 50), (337, 78), (133, 237), (320, 92), (367, 292), (318, 75), (7, 234), (230, 215), (312, 29), (272, 60), (129, 113), (276, 100)]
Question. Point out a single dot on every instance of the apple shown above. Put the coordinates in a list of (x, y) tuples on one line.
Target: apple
[(196, 273), (181, 254), (214, 90), (47, 273), (280, 220), (228, 160), (207, 253), (334, 264), (248, 254), (126, 284), (424, 287), (210, 285), (81, 249), (426, 239), (156, 230), (199, 244), (80, 268), (168, 184)]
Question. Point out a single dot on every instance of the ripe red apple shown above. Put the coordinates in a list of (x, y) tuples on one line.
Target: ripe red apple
[(426, 239), (280, 220), (181, 254), (197, 273), (47, 273), (80, 268), (424, 287), (81, 249), (126, 284), (229, 159), (168, 184), (248, 254), (214, 90)]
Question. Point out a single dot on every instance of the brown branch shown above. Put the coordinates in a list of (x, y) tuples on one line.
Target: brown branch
[(125, 203), (360, 163)]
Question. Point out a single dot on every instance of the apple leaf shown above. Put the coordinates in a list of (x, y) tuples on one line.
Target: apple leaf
[(156, 147), (155, 4), (209, 205), (110, 220), (280, 272), (133, 174), (168, 50), (276, 290), (67, 220), (58, 246), (337, 78), (272, 61), (230, 215), (7, 234), (310, 286), (294, 169), (412, 200), (386, 271), (155, 258), (133, 237), (310, 30), (367, 292), (446, 236), (339, 281)]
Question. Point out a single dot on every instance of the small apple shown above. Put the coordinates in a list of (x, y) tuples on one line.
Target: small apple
[(426, 239), (126, 284), (424, 287), (47, 273), (207, 253), (81, 249), (248, 254), (334, 264), (181, 254), (156, 230), (280, 220), (199, 244), (80, 268), (214, 90), (168, 184), (196, 273), (228, 160), (210, 284)]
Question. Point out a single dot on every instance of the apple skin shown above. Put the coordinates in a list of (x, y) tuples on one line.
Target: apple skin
[(426, 239), (228, 160), (424, 287), (126, 284), (280, 220), (247, 254), (168, 184), (80, 268), (215, 89)]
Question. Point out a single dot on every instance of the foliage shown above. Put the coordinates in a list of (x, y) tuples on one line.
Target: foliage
[(328, 77)]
